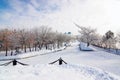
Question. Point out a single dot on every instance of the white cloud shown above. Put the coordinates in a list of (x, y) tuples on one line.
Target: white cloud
[(6, 16), (17, 5), (35, 3), (61, 14)]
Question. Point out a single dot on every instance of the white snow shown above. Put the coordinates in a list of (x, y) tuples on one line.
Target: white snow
[(29, 54), (54, 72), (90, 65), (84, 47)]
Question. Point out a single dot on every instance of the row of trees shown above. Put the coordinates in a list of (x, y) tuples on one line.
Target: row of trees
[(90, 36), (34, 39)]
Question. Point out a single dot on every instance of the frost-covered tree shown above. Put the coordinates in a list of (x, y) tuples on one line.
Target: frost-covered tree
[(118, 37), (86, 34), (109, 35), (109, 40), (118, 40), (95, 39)]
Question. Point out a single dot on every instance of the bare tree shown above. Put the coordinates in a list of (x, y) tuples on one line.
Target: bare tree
[(23, 39), (41, 36), (36, 34), (30, 40), (14, 41), (4, 37), (53, 39)]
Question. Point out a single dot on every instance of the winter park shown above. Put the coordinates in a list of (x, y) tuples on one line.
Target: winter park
[(59, 40)]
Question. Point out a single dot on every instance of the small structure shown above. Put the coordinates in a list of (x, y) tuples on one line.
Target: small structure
[(60, 60), (14, 63)]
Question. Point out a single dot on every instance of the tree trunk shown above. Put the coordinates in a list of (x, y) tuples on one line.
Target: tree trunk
[(6, 51), (116, 51), (53, 46), (11, 52), (58, 45), (22, 46), (88, 44), (35, 47), (46, 46), (25, 49), (29, 47), (40, 46)]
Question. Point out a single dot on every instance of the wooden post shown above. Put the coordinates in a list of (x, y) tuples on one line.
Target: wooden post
[(14, 62), (60, 61)]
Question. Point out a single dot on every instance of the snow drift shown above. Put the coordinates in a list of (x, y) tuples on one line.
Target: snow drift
[(84, 47), (54, 72)]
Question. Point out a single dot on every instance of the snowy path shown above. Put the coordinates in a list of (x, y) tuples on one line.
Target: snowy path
[(82, 65), (72, 55)]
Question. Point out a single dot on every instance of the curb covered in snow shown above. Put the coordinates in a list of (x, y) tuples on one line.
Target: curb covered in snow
[(31, 54)]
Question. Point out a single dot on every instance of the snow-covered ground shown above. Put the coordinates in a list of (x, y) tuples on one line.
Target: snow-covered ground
[(84, 47), (54, 72), (29, 54), (108, 65)]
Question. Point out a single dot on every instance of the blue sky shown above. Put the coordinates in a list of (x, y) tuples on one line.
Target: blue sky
[(3, 4), (61, 14), (10, 10), (15, 5)]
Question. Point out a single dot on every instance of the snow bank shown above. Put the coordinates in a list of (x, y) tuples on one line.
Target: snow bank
[(54, 72), (30, 54), (24, 55), (84, 47)]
